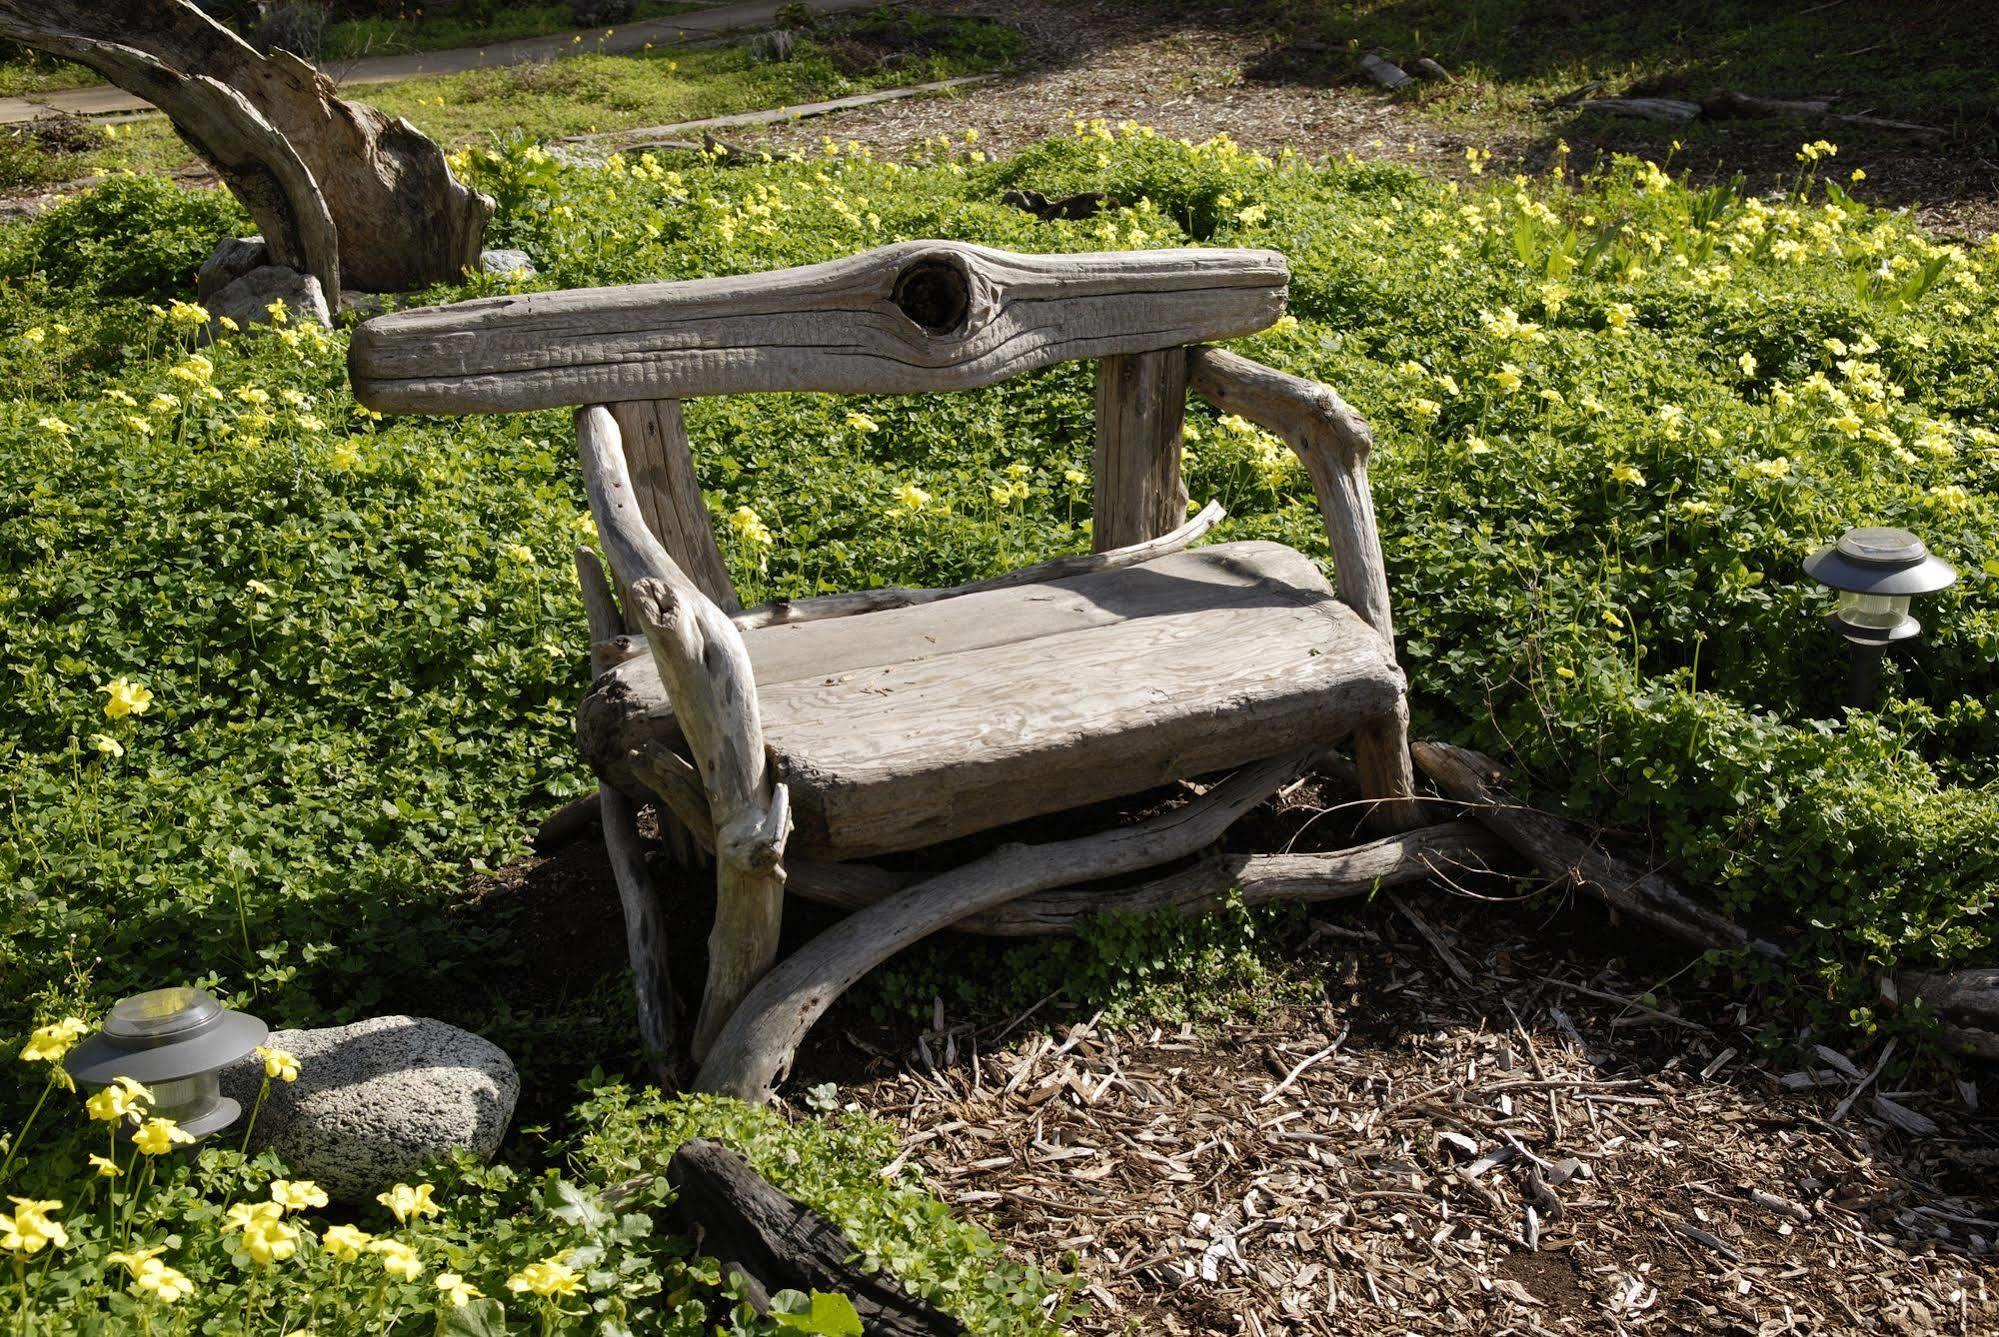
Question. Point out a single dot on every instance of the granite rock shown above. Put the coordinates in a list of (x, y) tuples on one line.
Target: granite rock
[(247, 300), (506, 262), (231, 259), (375, 1100)]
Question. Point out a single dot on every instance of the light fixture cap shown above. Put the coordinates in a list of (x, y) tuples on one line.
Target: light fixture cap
[(1877, 560), (163, 1036)]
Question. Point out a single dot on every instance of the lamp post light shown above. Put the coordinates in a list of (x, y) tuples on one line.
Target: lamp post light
[(175, 1042), (1876, 572)]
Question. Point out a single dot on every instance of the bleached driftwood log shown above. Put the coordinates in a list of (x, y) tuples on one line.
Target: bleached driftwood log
[(341, 191), (1333, 443), (1260, 879), (782, 612), (645, 918), (912, 317), (702, 661), (754, 1051), (1564, 856)]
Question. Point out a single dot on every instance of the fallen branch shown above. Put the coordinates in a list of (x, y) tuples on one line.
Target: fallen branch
[(1384, 71), (1564, 856)]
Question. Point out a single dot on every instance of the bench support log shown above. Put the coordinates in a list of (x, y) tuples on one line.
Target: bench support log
[(1141, 408)]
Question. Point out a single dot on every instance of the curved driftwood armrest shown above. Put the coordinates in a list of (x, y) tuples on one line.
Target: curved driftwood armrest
[(705, 668), (1332, 441)]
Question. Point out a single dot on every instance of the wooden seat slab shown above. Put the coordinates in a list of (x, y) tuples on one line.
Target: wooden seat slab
[(901, 728)]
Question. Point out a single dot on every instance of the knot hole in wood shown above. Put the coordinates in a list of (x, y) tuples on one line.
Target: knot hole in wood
[(936, 293)]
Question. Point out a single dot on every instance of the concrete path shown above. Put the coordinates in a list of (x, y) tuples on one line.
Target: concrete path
[(698, 26)]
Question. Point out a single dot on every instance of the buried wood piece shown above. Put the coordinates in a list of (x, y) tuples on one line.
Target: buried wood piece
[(1561, 854), (566, 823), (705, 667), (911, 317), (341, 191), (1259, 879), (1643, 108), (645, 918), (782, 612), (754, 1051), (1332, 442), (774, 1242), (1968, 1002), (1141, 410), (1383, 70)]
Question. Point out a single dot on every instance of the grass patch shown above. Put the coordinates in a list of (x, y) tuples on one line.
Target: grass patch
[(389, 35)]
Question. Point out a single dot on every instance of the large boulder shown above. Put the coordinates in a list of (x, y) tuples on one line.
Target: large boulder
[(232, 258), (247, 300), (375, 1100)]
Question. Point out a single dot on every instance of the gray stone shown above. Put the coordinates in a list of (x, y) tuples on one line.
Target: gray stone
[(505, 262), (232, 258), (770, 48), (375, 1100), (247, 300)]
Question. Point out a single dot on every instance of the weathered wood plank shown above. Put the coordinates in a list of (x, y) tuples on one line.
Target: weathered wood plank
[(661, 465), (1141, 407), (911, 317), (898, 729), (754, 1051), (699, 655)]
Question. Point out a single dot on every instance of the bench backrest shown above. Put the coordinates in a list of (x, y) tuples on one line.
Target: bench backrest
[(911, 317)]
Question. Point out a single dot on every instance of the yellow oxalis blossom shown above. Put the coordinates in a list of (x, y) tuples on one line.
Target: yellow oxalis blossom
[(54, 426), (1748, 364), (124, 1096), (863, 424), (106, 1167), (749, 526), (456, 1289), (1777, 468), (1507, 377), (1075, 476), (1626, 473), (1817, 149), (266, 1236), (279, 1065), (549, 1277), (158, 1136), (29, 1230), (406, 1202), (108, 745), (344, 456), (49, 1043), (127, 698), (398, 1259), (345, 1243), (151, 1277), (297, 1194), (1253, 215), (1618, 316), (519, 552), (911, 497)]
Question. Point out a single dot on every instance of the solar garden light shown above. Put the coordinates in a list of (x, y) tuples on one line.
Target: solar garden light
[(1876, 572), (175, 1042)]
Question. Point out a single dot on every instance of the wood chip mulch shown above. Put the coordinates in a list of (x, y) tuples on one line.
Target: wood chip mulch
[(1469, 1133)]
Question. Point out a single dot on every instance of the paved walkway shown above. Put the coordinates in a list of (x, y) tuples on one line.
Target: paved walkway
[(704, 25)]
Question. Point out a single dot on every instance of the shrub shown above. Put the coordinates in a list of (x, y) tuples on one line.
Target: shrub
[(133, 236)]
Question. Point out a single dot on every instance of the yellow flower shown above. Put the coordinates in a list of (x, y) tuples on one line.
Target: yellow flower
[(33, 335), (279, 1065), (1748, 364), (549, 1277), (863, 424), (1626, 473), (266, 1236), (124, 1096), (1507, 377), (1776, 468), (1426, 409), (912, 497), (49, 1043), (406, 1202), (189, 314), (1618, 315), (153, 1278), (54, 426), (344, 456), (1696, 508), (345, 1243), (29, 1230), (108, 745), (1951, 496), (106, 1167), (1816, 150), (1858, 176), (297, 1194), (751, 527), (277, 312), (1075, 477), (398, 1259), (127, 698), (518, 552), (251, 394), (456, 1289), (1253, 215), (158, 1136)]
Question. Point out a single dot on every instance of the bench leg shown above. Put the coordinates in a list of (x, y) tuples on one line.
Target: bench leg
[(1381, 751)]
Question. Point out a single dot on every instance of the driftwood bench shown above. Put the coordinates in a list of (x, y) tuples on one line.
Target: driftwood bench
[(795, 741)]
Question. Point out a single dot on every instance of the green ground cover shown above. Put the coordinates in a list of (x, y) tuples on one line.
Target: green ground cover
[(1612, 415)]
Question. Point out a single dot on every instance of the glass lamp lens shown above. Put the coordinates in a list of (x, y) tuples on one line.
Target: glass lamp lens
[(182, 1100), (1874, 612)]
